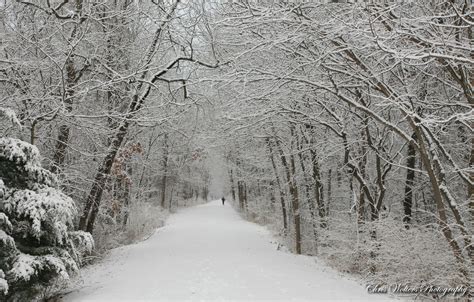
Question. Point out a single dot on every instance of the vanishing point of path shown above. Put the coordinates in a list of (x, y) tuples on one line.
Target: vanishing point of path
[(209, 252)]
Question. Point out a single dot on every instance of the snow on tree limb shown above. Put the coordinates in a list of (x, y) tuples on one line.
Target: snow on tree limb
[(10, 115)]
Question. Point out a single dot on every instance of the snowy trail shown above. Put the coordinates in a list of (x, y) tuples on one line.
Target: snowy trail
[(209, 253)]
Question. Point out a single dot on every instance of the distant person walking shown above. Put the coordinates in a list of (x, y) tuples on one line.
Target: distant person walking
[(223, 200)]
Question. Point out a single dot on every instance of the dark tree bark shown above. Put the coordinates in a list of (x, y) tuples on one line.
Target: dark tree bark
[(91, 208), (126, 198), (280, 188), (318, 184), (272, 195), (164, 178), (426, 158), (329, 185), (232, 185), (410, 180), (244, 192), (470, 190), (296, 206), (64, 130), (289, 167), (72, 77), (309, 200), (240, 193), (363, 187), (318, 189)]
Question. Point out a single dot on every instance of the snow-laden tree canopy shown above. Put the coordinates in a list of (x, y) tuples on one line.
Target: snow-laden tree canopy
[(37, 243)]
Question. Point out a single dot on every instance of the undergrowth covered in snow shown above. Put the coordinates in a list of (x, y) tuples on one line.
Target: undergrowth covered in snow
[(144, 217), (396, 256), (381, 252)]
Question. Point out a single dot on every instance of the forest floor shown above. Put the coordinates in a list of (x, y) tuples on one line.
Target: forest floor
[(209, 252)]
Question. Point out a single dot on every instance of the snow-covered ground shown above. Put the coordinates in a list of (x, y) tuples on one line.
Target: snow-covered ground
[(209, 252)]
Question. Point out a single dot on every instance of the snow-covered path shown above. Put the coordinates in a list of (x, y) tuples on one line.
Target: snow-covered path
[(209, 253)]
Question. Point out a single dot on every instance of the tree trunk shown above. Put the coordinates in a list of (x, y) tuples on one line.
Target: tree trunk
[(170, 202), (86, 222), (362, 187), (239, 194), (126, 198), (91, 208), (310, 203), (64, 130), (318, 189), (71, 79), (277, 177), (290, 175), (232, 186), (470, 189), (328, 202), (438, 197), (164, 178), (410, 180), (296, 207), (244, 191), (272, 196)]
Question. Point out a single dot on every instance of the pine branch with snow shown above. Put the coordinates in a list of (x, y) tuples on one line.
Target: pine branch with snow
[(38, 246)]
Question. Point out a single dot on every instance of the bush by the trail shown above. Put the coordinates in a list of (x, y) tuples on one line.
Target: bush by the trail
[(38, 247)]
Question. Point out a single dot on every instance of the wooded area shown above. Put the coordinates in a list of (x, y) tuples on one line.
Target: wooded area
[(364, 117), (345, 127)]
